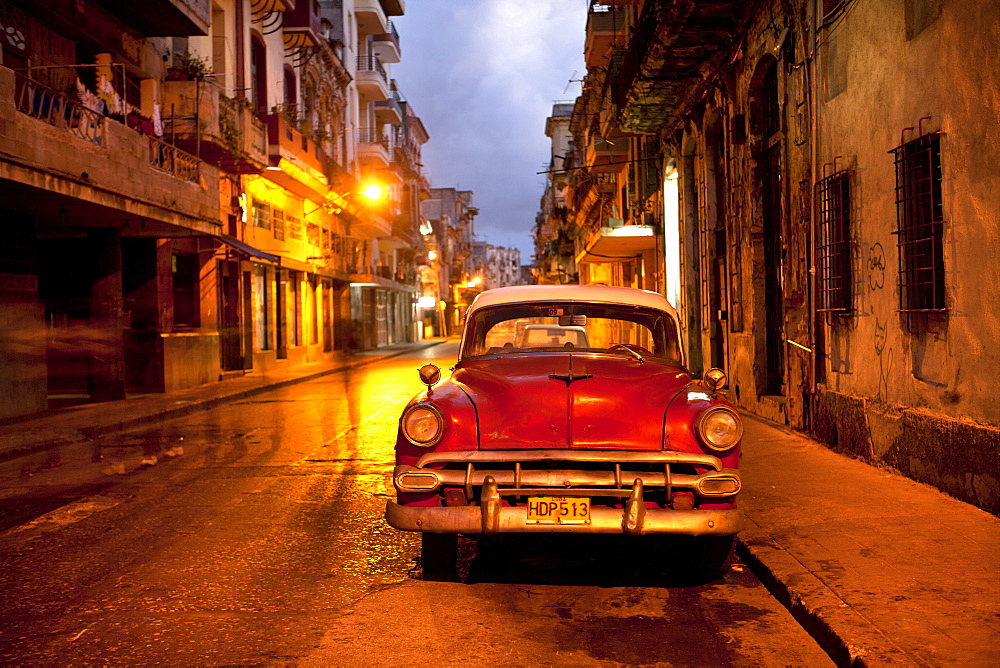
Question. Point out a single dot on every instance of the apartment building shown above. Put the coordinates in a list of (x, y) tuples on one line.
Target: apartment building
[(448, 275), (182, 183), (554, 232)]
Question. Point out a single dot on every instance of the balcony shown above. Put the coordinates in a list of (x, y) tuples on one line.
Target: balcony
[(616, 242), (406, 232), (388, 111), (664, 61), (59, 152), (371, 17), (394, 7), (373, 148), (372, 80), (606, 155), (294, 160), (224, 132), (604, 26), (302, 27), (164, 18), (386, 45), (371, 225)]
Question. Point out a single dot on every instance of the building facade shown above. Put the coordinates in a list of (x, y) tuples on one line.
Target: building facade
[(181, 186), (811, 184), (448, 273)]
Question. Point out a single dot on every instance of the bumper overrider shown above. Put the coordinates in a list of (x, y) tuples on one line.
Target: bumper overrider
[(489, 477)]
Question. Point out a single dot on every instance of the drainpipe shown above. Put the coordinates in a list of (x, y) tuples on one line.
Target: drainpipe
[(812, 64)]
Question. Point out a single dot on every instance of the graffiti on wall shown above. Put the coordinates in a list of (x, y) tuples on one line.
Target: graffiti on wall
[(876, 267), (876, 281), (884, 359)]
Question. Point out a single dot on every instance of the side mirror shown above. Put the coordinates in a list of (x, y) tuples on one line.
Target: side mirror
[(429, 374), (716, 379)]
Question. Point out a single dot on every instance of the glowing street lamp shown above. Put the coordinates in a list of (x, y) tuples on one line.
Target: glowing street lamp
[(373, 192), (432, 255)]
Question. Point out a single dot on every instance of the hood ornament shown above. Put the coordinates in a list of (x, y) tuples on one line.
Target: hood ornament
[(569, 378)]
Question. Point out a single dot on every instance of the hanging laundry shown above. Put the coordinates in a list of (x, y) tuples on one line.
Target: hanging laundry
[(88, 99), (113, 102), (157, 120)]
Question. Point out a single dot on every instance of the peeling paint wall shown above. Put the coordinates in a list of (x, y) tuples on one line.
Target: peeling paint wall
[(916, 393)]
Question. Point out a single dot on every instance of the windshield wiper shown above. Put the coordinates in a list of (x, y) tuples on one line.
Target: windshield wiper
[(622, 346)]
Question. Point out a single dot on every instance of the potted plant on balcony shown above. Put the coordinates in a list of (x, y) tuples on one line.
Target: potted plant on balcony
[(189, 67)]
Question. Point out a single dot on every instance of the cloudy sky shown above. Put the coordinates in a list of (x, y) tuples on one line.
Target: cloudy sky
[(482, 75)]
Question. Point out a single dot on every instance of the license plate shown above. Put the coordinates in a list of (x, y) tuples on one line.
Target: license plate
[(558, 510)]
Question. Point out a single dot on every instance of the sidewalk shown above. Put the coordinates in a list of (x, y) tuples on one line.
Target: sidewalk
[(879, 568), (52, 429)]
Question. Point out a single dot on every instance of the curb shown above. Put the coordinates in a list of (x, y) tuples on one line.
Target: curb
[(90, 433), (843, 633)]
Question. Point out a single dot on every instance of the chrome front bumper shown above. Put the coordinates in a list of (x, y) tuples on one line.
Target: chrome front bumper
[(472, 519), (492, 517)]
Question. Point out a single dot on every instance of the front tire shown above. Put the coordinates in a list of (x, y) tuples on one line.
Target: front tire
[(438, 553), (711, 557)]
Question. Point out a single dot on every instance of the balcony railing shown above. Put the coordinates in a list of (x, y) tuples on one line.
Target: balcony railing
[(373, 136), (372, 64), (173, 161), (58, 110)]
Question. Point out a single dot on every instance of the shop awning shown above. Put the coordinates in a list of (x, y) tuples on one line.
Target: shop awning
[(247, 249)]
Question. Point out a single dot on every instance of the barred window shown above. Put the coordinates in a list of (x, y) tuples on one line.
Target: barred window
[(920, 225), (833, 250), (261, 213), (294, 227), (278, 222)]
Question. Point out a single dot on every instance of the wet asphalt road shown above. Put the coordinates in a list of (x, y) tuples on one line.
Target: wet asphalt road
[(252, 534)]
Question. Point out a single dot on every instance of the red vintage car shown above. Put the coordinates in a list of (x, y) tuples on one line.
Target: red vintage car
[(613, 437)]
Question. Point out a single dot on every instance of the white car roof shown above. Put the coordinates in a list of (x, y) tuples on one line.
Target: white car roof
[(572, 293)]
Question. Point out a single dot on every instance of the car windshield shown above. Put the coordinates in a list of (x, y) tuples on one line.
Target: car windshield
[(548, 326)]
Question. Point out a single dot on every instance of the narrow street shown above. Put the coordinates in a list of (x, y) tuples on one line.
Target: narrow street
[(253, 534)]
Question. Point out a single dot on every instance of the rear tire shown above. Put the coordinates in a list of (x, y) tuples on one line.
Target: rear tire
[(438, 553)]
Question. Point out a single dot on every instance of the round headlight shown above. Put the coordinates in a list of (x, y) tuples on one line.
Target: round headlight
[(422, 424), (720, 428)]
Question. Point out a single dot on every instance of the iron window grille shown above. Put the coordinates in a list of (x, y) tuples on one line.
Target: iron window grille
[(833, 197), (278, 223), (261, 213), (920, 225)]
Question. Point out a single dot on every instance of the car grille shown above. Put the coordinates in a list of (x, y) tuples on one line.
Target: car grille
[(612, 475)]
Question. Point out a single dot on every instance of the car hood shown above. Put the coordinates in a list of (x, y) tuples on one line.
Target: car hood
[(587, 401)]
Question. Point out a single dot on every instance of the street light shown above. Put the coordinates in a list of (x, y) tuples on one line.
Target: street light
[(373, 192)]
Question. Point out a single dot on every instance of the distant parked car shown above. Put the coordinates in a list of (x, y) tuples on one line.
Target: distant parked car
[(553, 336), (609, 435)]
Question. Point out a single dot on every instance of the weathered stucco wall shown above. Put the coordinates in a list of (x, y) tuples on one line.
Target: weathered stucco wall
[(949, 72), (917, 395)]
